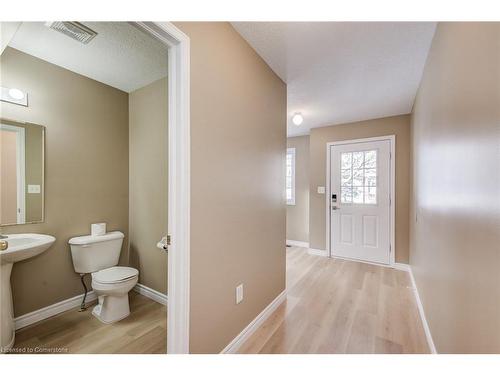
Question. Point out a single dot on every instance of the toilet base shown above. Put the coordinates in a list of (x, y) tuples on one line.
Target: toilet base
[(111, 309), (6, 348)]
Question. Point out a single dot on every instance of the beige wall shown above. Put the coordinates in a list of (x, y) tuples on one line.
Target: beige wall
[(297, 216), (34, 171), (148, 178), (455, 237), (86, 164), (238, 143), (397, 125)]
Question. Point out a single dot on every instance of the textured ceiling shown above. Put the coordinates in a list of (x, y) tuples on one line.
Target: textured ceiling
[(120, 56), (339, 72)]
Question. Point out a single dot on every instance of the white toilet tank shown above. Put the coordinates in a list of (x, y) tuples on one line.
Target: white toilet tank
[(95, 253)]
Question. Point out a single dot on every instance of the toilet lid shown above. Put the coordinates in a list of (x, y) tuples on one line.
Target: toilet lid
[(114, 274)]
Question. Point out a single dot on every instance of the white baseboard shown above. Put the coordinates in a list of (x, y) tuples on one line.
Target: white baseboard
[(407, 268), (398, 266), (73, 302), (297, 243), (49, 311), (250, 329), (151, 294), (427, 330), (320, 252), (402, 267)]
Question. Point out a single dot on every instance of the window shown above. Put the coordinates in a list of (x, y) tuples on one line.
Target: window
[(290, 176), (359, 177)]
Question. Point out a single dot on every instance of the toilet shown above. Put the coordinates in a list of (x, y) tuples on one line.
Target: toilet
[(99, 255)]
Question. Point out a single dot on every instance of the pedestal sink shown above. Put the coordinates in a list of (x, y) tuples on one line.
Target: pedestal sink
[(21, 247)]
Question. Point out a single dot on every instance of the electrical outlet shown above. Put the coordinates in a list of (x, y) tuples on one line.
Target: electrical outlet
[(239, 293)]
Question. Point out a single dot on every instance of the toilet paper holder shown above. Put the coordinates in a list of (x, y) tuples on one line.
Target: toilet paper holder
[(164, 243)]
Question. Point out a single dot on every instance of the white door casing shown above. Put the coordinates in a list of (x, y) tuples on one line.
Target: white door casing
[(178, 45), (360, 202)]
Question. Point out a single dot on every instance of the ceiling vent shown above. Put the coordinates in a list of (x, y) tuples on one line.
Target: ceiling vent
[(74, 30)]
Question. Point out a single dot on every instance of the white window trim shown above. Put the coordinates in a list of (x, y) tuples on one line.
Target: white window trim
[(291, 151)]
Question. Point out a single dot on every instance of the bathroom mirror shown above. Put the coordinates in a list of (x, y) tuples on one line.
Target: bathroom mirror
[(21, 172)]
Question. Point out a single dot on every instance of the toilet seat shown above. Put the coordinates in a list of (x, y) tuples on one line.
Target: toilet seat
[(114, 275)]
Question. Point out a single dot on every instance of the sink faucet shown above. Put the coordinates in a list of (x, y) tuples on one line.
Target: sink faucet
[(2, 237)]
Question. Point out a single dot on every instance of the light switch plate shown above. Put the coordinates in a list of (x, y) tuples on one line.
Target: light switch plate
[(33, 189), (321, 190), (239, 293)]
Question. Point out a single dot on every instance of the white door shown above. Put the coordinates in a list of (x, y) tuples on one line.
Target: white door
[(360, 201)]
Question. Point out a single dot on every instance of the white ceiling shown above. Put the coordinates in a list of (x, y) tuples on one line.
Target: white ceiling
[(340, 72), (121, 55)]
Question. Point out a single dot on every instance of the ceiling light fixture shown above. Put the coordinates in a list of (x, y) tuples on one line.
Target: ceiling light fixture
[(16, 94), (13, 96), (297, 119)]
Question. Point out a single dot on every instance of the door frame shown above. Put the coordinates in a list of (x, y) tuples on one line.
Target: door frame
[(392, 187), (20, 170), (178, 45)]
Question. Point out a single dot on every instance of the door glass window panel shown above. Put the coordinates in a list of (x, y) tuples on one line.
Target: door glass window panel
[(370, 195), (359, 177), (370, 159), (370, 177), (346, 160), (346, 177), (357, 159), (346, 194), (357, 194)]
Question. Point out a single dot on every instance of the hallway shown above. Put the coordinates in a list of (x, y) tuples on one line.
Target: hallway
[(339, 306)]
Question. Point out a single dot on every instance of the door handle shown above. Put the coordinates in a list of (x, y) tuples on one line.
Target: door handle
[(335, 208)]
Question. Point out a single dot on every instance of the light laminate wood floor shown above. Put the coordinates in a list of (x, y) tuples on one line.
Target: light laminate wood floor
[(143, 331), (340, 306)]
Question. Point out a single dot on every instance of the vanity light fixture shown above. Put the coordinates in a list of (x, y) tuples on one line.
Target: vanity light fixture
[(297, 118), (14, 96)]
